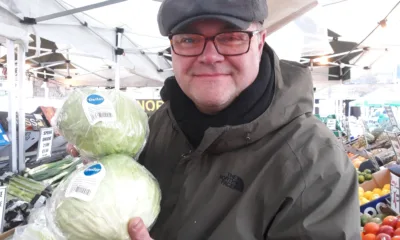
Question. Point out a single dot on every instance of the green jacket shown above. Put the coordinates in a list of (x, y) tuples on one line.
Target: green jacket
[(283, 176)]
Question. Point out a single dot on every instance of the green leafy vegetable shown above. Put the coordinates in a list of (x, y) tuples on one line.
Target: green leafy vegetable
[(103, 122), (126, 190)]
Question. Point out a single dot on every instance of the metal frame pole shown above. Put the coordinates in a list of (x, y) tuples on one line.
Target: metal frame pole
[(21, 111), (12, 124)]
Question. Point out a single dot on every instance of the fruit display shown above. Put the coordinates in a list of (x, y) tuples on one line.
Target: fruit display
[(387, 229), (360, 143), (366, 218), (366, 196), (366, 175), (377, 132), (376, 136), (357, 161)]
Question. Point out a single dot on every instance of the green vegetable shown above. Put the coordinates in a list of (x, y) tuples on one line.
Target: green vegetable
[(126, 190), (27, 183), (368, 171), (21, 194), (381, 216), (37, 171), (376, 220), (23, 188), (64, 173), (54, 170), (125, 134), (365, 218)]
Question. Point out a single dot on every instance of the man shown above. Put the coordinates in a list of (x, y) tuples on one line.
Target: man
[(236, 148)]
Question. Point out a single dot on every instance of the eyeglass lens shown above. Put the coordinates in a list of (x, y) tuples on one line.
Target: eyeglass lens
[(232, 43)]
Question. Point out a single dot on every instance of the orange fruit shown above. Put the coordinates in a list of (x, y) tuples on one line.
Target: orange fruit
[(369, 236), (371, 227), (357, 163)]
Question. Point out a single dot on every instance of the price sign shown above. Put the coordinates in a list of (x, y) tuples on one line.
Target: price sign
[(3, 192), (394, 192), (45, 143), (391, 116), (331, 123)]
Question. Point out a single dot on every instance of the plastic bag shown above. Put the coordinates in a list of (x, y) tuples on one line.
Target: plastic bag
[(16, 213), (36, 229), (98, 200), (102, 122)]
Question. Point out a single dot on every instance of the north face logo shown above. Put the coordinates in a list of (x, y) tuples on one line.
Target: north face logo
[(232, 181)]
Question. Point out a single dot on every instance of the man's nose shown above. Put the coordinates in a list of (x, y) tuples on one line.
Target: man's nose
[(210, 54)]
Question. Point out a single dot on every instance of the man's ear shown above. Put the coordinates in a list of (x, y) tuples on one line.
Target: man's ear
[(262, 36)]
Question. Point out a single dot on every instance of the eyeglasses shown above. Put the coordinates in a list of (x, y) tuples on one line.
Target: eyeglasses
[(227, 43)]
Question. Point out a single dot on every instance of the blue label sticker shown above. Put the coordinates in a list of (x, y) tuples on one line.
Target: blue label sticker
[(92, 170), (95, 99)]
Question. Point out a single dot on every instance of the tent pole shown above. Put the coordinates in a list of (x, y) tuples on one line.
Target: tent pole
[(143, 53), (21, 112), (77, 10), (12, 125), (68, 70), (79, 66), (80, 54), (118, 58), (49, 65), (47, 74)]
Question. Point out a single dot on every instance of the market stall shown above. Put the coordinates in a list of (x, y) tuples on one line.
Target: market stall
[(43, 166)]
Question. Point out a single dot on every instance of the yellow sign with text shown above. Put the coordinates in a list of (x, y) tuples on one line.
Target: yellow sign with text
[(150, 105)]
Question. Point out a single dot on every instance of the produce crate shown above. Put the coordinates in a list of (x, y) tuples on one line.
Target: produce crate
[(380, 205), (377, 206), (379, 179)]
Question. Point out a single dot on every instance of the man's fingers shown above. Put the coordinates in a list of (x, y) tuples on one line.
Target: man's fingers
[(71, 150), (137, 230)]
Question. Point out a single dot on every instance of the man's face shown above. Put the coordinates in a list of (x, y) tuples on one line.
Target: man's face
[(212, 81)]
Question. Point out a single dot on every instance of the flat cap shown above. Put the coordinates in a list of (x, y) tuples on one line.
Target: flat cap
[(175, 14)]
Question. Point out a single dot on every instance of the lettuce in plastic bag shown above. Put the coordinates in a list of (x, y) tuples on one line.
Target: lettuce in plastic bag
[(36, 229), (103, 122), (97, 201)]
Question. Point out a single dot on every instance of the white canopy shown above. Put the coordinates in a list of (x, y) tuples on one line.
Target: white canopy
[(80, 33)]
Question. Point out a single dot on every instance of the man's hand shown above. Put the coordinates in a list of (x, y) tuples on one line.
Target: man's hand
[(137, 230), (72, 150)]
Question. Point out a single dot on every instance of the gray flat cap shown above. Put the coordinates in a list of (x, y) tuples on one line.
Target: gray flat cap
[(175, 14)]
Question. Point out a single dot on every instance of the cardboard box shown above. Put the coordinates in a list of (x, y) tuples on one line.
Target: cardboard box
[(380, 205), (379, 179)]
